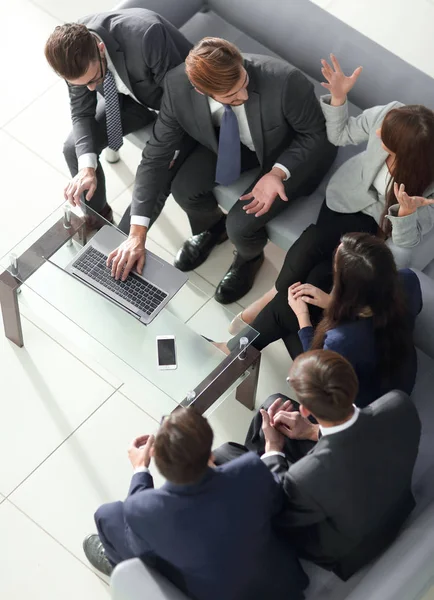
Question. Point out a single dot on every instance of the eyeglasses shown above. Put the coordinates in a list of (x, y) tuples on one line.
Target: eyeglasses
[(95, 80)]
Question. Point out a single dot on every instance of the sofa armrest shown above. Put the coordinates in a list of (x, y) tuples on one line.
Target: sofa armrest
[(132, 580), (404, 571), (176, 12), (424, 329)]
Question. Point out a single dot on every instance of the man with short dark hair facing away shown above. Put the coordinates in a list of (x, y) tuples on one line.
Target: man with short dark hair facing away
[(208, 529), (346, 472), (123, 55), (245, 112)]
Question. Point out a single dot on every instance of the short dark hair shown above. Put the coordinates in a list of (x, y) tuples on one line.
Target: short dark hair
[(70, 49), (183, 446), (325, 383), (213, 66)]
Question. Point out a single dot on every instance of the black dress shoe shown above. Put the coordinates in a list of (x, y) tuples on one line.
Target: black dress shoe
[(95, 554), (238, 280), (196, 249)]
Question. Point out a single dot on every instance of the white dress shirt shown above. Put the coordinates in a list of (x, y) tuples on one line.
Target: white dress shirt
[(324, 431)]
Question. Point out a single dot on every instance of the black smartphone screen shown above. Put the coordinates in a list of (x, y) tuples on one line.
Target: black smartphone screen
[(166, 352)]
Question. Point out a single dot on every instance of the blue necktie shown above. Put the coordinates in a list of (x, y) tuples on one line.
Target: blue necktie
[(112, 112), (229, 156)]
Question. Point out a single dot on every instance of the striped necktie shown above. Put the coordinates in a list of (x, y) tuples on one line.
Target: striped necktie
[(112, 112)]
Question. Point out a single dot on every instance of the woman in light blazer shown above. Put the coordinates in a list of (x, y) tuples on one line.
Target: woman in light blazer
[(386, 190)]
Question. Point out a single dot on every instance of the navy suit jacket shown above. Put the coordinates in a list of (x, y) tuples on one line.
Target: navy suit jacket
[(215, 539), (356, 341)]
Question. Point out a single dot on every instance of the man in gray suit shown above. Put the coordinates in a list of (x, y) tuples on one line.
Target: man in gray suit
[(244, 112), (346, 472), (123, 55)]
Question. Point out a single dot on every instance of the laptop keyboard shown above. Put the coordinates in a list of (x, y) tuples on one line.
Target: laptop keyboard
[(141, 294)]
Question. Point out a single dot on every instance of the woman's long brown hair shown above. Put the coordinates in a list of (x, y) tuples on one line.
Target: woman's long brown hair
[(365, 276), (408, 131)]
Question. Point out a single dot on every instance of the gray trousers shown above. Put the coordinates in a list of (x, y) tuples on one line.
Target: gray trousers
[(255, 442), (134, 116)]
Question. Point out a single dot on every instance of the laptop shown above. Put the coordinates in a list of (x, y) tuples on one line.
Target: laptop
[(143, 296)]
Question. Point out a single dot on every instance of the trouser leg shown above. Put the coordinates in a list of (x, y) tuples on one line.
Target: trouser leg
[(134, 116), (318, 243), (110, 523), (192, 189), (227, 452), (248, 232)]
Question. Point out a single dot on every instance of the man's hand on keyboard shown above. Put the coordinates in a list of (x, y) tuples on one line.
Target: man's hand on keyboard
[(130, 253)]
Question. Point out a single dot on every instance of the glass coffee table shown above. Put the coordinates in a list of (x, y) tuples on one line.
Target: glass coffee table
[(204, 373)]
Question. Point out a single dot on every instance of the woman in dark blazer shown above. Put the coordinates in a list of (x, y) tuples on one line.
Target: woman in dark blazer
[(368, 317)]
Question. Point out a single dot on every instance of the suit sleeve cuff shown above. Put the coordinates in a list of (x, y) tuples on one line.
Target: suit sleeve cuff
[(141, 470), (284, 169), (137, 220), (88, 160), (272, 453)]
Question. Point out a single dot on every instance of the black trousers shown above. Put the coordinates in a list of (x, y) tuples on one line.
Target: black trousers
[(309, 260), (255, 442), (134, 116), (192, 189)]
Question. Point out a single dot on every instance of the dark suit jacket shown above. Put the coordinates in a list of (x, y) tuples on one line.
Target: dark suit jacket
[(143, 47), (284, 116), (349, 496), (215, 539)]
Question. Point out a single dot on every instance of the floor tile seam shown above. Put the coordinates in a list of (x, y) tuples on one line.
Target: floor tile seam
[(81, 361), (39, 526), (79, 426), (45, 91), (136, 405)]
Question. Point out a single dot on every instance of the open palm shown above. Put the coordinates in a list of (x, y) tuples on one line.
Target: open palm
[(338, 83)]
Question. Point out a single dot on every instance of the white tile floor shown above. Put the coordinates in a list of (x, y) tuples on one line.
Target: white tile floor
[(69, 408)]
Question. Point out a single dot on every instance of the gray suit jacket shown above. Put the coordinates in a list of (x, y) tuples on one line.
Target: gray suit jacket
[(349, 496), (143, 47), (284, 117), (351, 190)]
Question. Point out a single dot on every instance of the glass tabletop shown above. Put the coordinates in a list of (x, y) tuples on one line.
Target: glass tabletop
[(40, 263)]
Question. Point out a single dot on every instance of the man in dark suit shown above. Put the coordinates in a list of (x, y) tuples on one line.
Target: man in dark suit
[(123, 55), (347, 472), (207, 529), (244, 112)]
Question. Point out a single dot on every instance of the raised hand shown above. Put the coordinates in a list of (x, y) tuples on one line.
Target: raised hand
[(338, 83), (408, 204)]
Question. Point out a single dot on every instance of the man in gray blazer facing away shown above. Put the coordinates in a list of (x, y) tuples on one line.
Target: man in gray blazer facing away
[(347, 475), (244, 111), (123, 55)]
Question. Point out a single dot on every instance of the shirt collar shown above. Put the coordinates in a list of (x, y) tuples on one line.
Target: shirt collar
[(343, 426)]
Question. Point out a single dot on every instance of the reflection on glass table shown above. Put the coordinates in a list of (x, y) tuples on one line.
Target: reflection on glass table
[(46, 260)]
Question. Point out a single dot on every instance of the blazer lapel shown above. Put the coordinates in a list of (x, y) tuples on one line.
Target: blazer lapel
[(253, 112), (202, 116)]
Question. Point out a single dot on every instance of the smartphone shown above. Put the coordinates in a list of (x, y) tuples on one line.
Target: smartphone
[(166, 352)]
